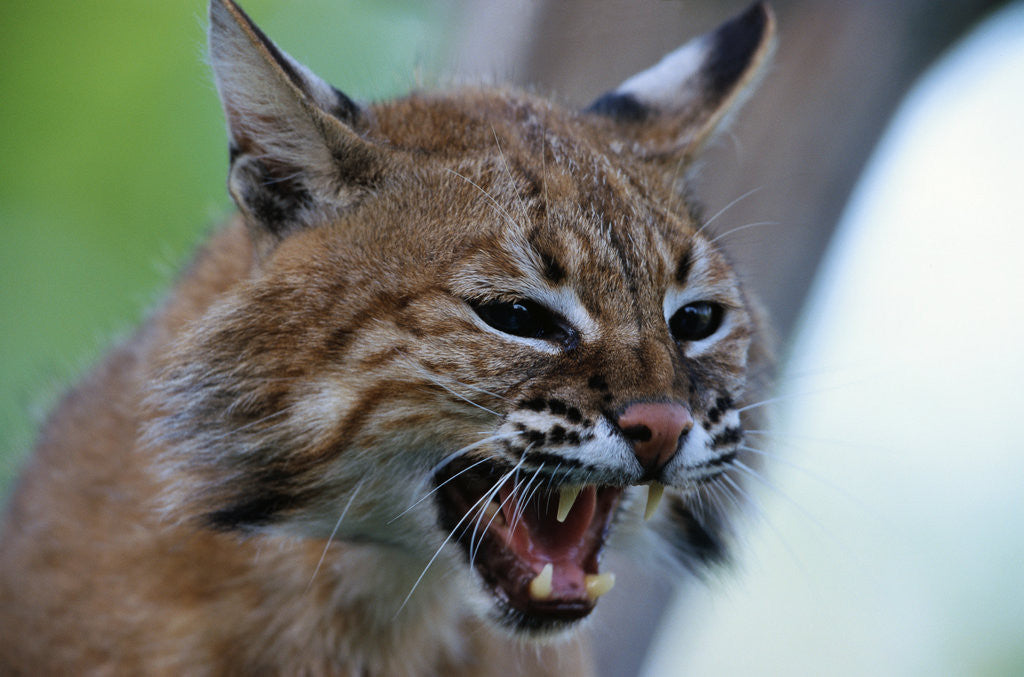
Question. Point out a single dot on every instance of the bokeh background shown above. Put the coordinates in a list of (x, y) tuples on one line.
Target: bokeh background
[(888, 531)]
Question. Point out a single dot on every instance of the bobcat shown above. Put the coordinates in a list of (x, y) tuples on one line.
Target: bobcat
[(391, 414)]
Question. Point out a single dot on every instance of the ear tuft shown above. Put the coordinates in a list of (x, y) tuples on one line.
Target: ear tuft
[(297, 157), (675, 106)]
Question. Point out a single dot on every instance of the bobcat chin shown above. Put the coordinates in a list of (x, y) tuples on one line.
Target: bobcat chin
[(388, 421)]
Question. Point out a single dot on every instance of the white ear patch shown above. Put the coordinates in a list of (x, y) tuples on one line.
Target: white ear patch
[(666, 83)]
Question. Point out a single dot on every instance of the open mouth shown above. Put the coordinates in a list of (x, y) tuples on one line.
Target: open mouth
[(536, 544)]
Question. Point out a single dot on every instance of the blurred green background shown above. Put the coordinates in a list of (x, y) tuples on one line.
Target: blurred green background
[(113, 159)]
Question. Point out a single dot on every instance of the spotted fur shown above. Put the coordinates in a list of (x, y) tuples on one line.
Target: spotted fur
[(251, 484)]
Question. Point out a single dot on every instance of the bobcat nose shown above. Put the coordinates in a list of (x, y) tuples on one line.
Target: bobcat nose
[(654, 429)]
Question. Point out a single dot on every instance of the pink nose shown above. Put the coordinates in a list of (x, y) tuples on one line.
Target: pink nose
[(654, 429)]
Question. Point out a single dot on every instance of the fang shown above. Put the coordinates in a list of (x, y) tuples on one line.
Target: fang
[(655, 490), (598, 584), (566, 499), (541, 585)]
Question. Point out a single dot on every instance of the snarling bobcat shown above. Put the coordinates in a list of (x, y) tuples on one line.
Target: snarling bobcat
[(389, 417)]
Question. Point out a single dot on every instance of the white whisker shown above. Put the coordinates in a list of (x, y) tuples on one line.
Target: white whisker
[(474, 544), (756, 507), (779, 458), (497, 205), (447, 539), (251, 424), (780, 398), (334, 532), (750, 472), (436, 380), (448, 459), (727, 207), (756, 224), (511, 180), (520, 508), (466, 399)]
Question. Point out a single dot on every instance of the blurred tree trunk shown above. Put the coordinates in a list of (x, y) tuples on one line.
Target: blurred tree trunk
[(840, 71)]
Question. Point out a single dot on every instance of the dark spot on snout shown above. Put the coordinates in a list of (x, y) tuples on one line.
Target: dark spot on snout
[(533, 404), (535, 437)]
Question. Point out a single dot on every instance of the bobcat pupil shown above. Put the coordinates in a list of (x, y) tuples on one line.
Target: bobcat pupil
[(527, 319), (696, 321)]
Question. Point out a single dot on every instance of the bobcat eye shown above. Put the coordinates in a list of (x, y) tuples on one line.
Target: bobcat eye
[(526, 319), (696, 321)]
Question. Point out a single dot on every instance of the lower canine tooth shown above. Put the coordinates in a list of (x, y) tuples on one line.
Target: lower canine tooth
[(655, 490), (598, 584), (566, 499), (540, 586)]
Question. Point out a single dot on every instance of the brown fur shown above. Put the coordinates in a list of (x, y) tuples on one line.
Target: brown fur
[(182, 513)]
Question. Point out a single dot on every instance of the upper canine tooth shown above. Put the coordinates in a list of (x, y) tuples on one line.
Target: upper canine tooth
[(566, 499), (598, 584), (655, 490), (540, 586)]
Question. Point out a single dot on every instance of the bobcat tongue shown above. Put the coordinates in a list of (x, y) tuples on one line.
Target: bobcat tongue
[(540, 538)]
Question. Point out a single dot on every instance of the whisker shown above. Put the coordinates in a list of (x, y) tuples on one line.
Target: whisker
[(469, 447), (447, 539), (740, 465), (853, 555), (497, 205), (436, 380), (696, 500), (511, 180), (448, 459), (334, 532), (544, 174), (250, 424), (821, 479), (489, 496), (521, 506), (756, 224), (756, 507), (474, 544), (727, 207), (410, 362), (783, 398), (780, 458), (830, 441), (466, 399)]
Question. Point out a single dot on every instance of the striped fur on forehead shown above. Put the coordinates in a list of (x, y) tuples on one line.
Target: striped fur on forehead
[(562, 210)]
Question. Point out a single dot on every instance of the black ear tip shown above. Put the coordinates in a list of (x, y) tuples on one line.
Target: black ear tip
[(736, 43), (758, 14), (751, 26), (618, 106)]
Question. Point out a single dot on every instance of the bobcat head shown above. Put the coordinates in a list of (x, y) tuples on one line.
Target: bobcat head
[(480, 332)]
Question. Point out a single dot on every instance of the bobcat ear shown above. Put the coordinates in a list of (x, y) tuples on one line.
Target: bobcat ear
[(296, 155), (674, 107)]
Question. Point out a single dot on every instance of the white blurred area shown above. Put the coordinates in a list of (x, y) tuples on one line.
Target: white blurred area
[(891, 540)]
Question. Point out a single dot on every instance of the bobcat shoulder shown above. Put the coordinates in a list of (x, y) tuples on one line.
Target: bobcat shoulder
[(386, 423)]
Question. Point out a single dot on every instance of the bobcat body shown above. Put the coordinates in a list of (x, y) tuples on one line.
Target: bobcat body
[(390, 416)]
